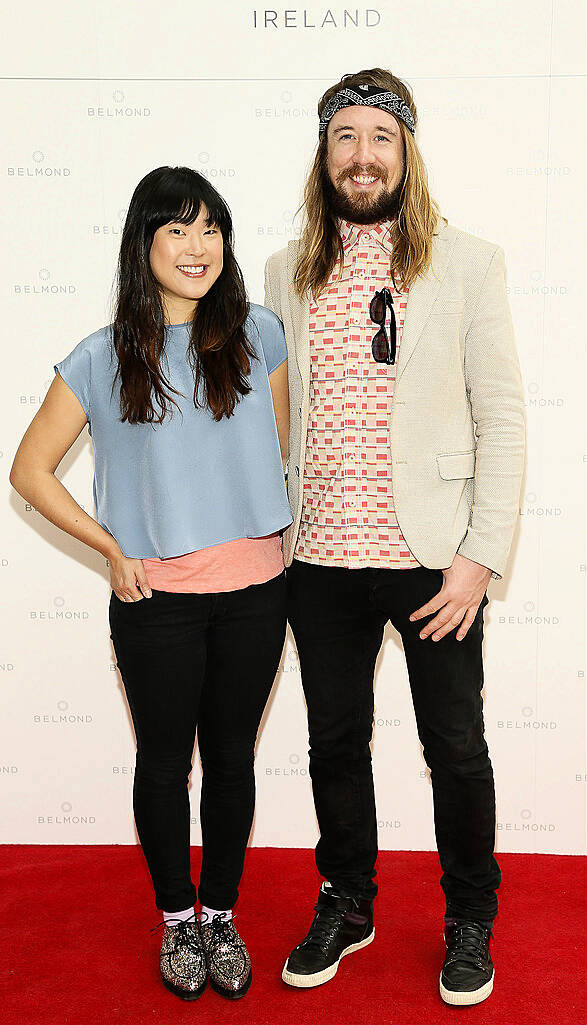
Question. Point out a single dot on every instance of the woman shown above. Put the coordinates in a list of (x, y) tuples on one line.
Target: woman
[(190, 500)]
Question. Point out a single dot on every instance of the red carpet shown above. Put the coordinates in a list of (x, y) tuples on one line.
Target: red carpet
[(76, 946)]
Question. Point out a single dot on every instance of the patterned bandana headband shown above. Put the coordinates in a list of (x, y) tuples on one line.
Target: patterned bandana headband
[(368, 96)]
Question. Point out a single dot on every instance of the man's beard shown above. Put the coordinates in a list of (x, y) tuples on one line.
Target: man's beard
[(363, 208)]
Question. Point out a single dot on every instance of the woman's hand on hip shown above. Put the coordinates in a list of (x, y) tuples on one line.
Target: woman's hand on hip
[(128, 579)]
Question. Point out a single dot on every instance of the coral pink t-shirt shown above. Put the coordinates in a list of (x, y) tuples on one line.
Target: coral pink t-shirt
[(229, 566)]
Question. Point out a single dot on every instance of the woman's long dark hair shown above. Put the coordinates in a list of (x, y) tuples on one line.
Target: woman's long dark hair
[(219, 350)]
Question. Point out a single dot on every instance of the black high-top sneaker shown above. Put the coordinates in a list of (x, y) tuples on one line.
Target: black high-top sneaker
[(467, 972), (341, 926)]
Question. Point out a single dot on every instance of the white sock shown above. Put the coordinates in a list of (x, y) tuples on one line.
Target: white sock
[(208, 914), (175, 917)]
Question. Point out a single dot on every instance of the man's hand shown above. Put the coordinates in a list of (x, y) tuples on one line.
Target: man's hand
[(461, 594)]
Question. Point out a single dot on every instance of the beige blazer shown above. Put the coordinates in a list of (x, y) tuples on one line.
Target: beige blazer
[(457, 424)]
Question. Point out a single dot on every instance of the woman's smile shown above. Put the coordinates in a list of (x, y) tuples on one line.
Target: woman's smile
[(192, 271)]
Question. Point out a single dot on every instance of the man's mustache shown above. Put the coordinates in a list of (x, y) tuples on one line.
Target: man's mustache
[(374, 170)]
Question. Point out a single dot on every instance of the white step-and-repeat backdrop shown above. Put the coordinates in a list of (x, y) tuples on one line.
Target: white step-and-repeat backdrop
[(94, 96)]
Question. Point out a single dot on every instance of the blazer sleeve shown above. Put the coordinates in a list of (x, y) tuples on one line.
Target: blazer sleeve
[(494, 385)]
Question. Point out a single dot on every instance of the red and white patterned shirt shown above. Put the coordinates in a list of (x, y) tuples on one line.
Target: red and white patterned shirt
[(348, 515)]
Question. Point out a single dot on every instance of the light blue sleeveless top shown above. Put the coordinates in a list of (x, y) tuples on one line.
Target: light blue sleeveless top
[(167, 489)]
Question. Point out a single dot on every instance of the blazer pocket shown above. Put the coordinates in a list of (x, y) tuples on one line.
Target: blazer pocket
[(445, 307), (457, 465)]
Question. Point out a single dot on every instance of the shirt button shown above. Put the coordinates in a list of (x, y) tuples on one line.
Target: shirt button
[(300, 411), (297, 471)]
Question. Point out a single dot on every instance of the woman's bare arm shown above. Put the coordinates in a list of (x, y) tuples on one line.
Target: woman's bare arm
[(58, 423)]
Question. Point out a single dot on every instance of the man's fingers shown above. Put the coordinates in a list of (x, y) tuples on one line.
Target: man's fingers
[(467, 623), (452, 624), (444, 617), (429, 608)]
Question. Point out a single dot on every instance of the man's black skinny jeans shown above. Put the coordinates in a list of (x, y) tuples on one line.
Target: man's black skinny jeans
[(338, 617)]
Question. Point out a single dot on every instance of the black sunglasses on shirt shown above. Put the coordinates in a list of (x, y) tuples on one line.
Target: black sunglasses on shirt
[(382, 346)]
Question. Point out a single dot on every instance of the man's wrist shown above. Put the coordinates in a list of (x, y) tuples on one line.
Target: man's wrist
[(474, 562)]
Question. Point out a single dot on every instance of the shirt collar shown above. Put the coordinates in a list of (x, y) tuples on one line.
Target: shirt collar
[(379, 233)]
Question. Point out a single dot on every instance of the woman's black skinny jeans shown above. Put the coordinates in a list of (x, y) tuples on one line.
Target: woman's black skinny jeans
[(205, 662)]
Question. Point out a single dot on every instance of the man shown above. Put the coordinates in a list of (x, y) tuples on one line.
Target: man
[(406, 456)]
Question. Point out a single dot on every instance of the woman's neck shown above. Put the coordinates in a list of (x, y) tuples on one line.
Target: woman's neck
[(177, 310)]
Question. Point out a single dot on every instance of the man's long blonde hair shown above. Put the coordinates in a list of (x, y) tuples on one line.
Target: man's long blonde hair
[(418, 215)]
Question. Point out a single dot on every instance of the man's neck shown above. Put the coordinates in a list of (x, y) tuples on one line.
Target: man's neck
[(368, 227)]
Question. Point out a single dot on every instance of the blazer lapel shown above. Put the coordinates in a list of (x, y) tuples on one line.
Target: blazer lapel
[(422, 296), (300, 315)]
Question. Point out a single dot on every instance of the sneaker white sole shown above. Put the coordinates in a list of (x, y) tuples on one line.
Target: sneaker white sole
[(466, 999), (319, 978)]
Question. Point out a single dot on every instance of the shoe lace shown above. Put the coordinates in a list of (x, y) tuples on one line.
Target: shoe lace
[(221, 930), (323, 929), (468, 941), (222, 934), (184, 938)]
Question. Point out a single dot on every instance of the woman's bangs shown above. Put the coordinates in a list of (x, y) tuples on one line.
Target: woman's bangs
[(173, 203), (180, 198)]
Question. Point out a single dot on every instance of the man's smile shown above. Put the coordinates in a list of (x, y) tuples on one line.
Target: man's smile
[(363, 180)]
